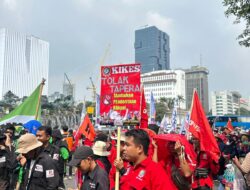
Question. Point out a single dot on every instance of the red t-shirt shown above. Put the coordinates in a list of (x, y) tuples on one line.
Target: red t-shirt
[(147, 175), (113, 171)]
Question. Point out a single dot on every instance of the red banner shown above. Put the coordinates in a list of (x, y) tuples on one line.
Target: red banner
[(120, 91)]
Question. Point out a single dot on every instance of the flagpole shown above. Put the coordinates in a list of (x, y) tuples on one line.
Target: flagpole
[(39, 98), (190, 112), (141, 102), (118, 156)]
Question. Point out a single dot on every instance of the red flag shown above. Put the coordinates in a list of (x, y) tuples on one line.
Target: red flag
[(144, 114), (201, 129), (87, 129), (229, 125), (164, 155)]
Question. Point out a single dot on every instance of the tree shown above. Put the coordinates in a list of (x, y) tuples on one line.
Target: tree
[(161, 109), (243, 111), (168, 102), (10, 98), (180, 99), (240, 9)]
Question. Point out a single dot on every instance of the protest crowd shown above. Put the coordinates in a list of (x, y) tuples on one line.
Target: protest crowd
[(129, 157), (148, 160)]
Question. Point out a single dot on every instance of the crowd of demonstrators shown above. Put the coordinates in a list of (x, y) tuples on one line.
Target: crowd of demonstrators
[(148, 160)]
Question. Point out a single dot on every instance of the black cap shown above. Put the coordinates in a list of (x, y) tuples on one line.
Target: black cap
[(80, 154)]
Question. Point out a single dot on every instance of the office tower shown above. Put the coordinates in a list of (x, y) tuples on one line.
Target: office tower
[(197, 77), (152, 49), (24, 61)]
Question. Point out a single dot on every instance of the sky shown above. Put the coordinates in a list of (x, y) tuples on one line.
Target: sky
[(79, 32)]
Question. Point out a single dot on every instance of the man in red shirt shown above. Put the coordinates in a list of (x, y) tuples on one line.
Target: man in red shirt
[(144, 174)]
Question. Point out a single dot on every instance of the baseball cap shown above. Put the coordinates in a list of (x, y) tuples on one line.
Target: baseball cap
[(80, 154)]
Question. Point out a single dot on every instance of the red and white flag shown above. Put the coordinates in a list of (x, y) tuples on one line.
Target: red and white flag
[(229, 125)]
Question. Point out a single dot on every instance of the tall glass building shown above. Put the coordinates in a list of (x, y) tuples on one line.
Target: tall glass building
[(24, 61), (152, 49)]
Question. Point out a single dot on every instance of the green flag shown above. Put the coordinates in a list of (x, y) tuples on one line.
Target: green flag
[(26, 111)]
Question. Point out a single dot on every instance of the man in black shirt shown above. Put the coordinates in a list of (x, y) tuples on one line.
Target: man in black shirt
[(43, 135), (40, 172), (95, 178)]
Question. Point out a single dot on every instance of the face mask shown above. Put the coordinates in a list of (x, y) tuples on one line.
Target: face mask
[(245, 142)]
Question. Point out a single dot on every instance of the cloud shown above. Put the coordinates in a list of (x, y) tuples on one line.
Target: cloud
[(85, 3), (163, 23), (132, 2), (11, 4)]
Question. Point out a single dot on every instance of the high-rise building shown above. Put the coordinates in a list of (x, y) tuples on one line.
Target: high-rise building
[(225, 102), (69, 90), (24, 61), (197, 77), (152, 49), (166, 84)]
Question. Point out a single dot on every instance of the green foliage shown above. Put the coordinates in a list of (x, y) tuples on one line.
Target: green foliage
[(10, 98), (241, 10), (161, 109)]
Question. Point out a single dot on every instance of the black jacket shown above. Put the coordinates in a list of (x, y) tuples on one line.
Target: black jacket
[(61, 144), (54, 152), (96, 180), (8, 163), (44, 174)]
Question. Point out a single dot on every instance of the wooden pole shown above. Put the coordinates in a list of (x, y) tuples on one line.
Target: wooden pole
[(39, 98), (118, 157)]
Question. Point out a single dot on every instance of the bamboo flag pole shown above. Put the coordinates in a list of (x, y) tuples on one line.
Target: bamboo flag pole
[(39, 98), (118, 156)]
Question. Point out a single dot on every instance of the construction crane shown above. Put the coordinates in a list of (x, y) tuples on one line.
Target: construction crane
[(67, 78), (93, 88), (101, 62)]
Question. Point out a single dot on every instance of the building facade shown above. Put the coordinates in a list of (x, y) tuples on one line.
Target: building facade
[(24, 61), (197, 78), (245, 104), (164, 83), (69, 90), (225, 102), (152, 49)]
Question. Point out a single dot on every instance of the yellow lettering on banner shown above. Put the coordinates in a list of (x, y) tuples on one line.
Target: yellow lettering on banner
[(124, 101), (123, 95), (119, 107)]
